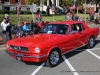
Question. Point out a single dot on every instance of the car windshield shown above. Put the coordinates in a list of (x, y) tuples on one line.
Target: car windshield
[(54, 29)]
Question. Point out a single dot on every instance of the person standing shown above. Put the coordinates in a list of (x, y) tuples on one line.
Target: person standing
[(32, 23), (9, 27), (38, 16), (5, 33), (48, 10), (99, 11)]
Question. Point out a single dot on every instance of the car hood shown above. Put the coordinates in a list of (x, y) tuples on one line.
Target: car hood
[(32, 40)]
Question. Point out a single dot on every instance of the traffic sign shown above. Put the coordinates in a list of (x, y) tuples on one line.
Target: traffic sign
[(33, 8)]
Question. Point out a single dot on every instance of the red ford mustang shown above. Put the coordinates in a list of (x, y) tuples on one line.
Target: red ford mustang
[(54, 40)]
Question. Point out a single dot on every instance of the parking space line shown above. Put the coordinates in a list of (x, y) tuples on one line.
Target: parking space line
[(93, 54), (88, 49), (38, 69), (98, 35), (70, 66), (94, 49)]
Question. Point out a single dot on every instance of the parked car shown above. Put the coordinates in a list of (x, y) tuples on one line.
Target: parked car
[(53, 40)]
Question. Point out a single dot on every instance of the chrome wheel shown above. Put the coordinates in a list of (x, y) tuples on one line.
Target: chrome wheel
[(91, 42), (54, 58)]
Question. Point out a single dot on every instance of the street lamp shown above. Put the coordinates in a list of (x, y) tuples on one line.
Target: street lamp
[(74, 5), (85, 11)]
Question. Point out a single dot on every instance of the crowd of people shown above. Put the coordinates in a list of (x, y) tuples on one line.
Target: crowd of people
[(70, 14), (22, 29), (28, 28)]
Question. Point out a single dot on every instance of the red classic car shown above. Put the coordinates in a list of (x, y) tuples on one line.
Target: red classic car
[(53, 40)]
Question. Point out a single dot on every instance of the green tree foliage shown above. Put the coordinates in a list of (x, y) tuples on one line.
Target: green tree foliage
[(71, 2), (31, 1)]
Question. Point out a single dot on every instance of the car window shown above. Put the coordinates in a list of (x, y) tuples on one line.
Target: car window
[(76, 28), (54, 29), (81, 26)]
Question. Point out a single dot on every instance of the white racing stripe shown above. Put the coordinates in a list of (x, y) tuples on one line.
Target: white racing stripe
[(38, 69), (93, 54), (70, 66)]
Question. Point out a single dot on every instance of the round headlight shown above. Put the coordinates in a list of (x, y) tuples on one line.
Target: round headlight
[(8, 46), (37, 50)]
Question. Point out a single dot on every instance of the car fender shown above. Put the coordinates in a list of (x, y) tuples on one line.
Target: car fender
[(51, 48)]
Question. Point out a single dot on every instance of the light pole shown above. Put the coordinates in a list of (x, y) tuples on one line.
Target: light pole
[(85, 11), (74, 5), (18, 10)]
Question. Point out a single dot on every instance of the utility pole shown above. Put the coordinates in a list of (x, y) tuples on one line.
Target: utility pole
[(85, 11), (18, 10), (74, 5)]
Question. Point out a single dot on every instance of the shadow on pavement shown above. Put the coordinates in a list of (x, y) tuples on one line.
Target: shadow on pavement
[(33, 63)]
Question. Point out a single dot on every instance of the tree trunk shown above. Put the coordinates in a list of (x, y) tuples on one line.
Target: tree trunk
[(96, 8)]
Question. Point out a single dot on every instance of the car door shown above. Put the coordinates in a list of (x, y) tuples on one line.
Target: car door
[(72, 39), (82, 36), (74, 36)]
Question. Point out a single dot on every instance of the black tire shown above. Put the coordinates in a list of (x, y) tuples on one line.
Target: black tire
[(90, 43), (50, 62)]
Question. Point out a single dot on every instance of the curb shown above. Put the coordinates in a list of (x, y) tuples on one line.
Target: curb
[(2, 47)]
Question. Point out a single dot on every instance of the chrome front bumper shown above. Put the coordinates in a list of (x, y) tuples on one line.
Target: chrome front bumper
[(22, 55)]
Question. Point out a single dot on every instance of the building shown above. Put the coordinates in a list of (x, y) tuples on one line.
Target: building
[(12, 4)]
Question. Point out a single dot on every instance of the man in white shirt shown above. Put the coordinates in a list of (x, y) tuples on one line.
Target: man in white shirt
[(5, 34)]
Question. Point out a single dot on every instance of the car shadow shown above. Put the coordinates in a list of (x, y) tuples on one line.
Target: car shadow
[(33, 63), (96, 42)]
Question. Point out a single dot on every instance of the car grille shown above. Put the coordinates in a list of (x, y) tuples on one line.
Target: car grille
[(18, 48)]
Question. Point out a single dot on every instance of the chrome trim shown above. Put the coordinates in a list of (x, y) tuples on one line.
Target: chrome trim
[(22, 55), (74, 49)]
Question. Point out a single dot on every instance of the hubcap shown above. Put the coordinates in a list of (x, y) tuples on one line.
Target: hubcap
[(54, 57), (91, 42)]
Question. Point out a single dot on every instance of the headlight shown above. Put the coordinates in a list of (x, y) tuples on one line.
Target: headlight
[(8, 46), (37, 50)]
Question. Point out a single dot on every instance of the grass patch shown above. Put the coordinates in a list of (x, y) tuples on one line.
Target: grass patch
[(28, 17)]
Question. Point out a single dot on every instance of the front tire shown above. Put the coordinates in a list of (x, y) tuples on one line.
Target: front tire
[(90, 43), (53, 58)]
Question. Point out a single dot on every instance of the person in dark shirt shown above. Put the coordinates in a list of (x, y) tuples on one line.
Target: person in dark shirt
[(9, 27)]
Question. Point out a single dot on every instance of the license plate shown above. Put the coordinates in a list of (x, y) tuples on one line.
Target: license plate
[(19, 58)]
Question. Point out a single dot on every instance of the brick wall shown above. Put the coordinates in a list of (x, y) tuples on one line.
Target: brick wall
[(22, 2), (12, 1)]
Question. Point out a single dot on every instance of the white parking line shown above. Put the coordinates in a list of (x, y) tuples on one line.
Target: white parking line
[(98, 35), (93, 54), (70, 66), (38, 69), (88, 49)]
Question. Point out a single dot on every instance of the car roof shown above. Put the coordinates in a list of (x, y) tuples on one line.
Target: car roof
[(66, 22)]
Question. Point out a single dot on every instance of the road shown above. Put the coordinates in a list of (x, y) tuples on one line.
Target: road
[(78, 62)]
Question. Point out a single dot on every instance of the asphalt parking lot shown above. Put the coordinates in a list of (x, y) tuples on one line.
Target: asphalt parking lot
[(78, 62)]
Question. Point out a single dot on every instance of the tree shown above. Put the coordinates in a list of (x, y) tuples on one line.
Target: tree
[(78, 3), (28, 2)]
